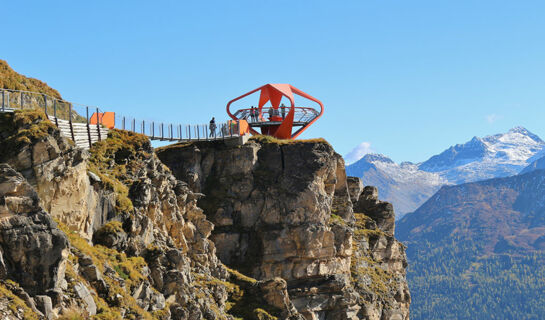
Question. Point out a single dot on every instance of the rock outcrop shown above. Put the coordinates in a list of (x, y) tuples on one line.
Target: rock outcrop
[(115, 233), (56, 169), (33, 251), (129, 242), (284, 209)]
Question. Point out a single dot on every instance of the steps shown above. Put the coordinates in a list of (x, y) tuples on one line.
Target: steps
[(81, 132)]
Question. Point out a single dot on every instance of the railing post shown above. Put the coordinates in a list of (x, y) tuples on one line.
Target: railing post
[(45, 107), (171, 132), (8, 104), (198, 133), (70, 121), (98, 126), (55, 112), (180, 131), (152, 129), (3, 101), (162, 132), (133, 125), (88, 128), (189, 131), (22, 100), (144, 127)]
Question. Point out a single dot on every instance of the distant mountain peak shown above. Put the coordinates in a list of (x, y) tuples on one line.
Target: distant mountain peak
[(523, 131), (408, 185), (377, 157)]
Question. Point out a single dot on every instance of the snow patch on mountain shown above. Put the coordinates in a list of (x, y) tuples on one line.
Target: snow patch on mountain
[(408, 185)]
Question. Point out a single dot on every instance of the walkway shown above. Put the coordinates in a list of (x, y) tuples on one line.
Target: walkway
[(74, 122)]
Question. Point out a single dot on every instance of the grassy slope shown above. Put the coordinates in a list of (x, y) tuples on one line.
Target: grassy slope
[(9, 79)]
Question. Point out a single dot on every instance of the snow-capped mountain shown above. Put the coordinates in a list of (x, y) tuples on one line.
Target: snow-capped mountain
[(409, 185), (403, 184)]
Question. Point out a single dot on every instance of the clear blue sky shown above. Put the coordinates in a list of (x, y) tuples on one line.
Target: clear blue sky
[(409, 78)]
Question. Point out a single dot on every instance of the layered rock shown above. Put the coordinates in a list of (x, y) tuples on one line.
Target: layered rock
[(56, 169), (284, 209), (32, 250), (150, 255)]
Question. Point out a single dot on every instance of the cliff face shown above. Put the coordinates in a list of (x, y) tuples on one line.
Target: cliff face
[(110, 233), (114, 233), (285, 210)]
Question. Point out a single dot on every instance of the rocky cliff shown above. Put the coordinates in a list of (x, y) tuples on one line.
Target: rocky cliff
[(286, 209), (109, 234), (114, 233)]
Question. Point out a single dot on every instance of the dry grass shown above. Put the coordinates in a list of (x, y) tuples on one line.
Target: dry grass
[(111, 159), (16, 304), (9, 79), (23, 127), (127, 268), (270, 139)]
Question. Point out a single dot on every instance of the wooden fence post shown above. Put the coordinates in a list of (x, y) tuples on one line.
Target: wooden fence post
[(55, 112), (70, 122), (88, 128), (45, 107), (98, 127)]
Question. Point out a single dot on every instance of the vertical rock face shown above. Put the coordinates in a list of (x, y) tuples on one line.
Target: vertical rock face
[(137, 239), (56, 169), (32, 250), (131, 241), (285, 210), (379, 262)]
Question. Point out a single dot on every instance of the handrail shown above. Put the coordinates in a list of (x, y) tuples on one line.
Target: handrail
[(46, 95), (301, 114), (174, 132)]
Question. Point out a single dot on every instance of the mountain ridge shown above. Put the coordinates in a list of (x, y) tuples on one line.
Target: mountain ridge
[(479, 249), (492, 156)]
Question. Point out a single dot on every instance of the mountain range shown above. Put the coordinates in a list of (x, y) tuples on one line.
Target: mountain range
[(408, 185), (477, 250)]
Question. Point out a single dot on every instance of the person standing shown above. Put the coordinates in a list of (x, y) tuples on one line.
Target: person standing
[(283, 110), (212, 127), (253, 114)]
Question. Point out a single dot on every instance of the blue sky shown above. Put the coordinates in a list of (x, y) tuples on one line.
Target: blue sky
[(403, 78)]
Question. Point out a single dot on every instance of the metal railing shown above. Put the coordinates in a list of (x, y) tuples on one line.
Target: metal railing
[(164, 131), (58, 109), (302, 115)]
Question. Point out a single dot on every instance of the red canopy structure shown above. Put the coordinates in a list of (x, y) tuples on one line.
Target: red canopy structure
[(278, 120)]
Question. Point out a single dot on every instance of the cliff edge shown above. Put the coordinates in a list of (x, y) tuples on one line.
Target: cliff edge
[(286, 209)]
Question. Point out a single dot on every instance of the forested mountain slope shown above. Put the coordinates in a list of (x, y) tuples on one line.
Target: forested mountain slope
[(476, 250)]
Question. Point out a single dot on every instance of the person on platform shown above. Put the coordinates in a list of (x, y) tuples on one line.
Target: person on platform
[(253, 114), (283, 110), (212, 127)]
